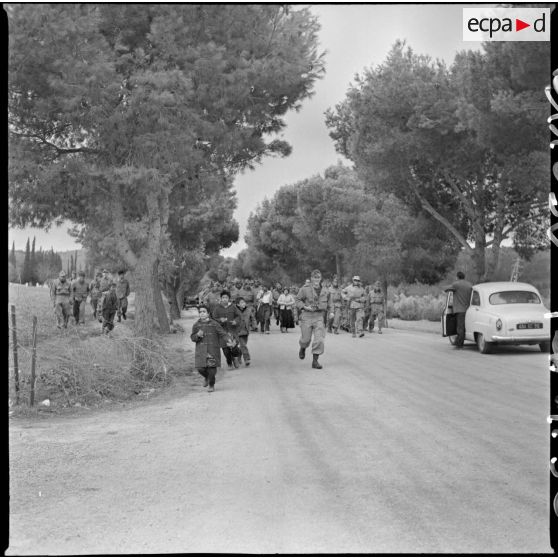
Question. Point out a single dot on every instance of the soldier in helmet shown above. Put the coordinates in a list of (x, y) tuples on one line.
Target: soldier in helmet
[(312, 301), (60, 293), (355, 296)]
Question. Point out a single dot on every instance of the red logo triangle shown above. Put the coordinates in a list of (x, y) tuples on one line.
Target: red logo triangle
[(519, 25)]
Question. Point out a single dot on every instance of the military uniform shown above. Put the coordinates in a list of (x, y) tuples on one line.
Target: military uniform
[(80, 292), (376, 299), (61, 293), (95, 292), (248, 295), (335, 305), (355, 294), (312, 321), (122, 292), (104, 284)]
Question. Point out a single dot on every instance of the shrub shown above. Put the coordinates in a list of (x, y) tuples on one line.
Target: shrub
[(407, 308)]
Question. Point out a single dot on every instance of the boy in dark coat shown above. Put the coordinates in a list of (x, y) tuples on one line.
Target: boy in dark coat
[(209, 337), (110, 305), (228, 316), (244, 329)]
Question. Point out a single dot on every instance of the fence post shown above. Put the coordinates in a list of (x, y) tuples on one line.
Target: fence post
[(14, 341), (33, 359)]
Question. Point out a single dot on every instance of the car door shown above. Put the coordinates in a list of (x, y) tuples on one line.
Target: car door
[(472, 315), (449, 324)]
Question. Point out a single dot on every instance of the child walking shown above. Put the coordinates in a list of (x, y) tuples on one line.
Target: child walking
[(209, 338)]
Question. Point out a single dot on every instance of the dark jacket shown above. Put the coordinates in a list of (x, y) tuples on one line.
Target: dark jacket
[(232, 315), (213, 339), (244, 328), (110, 302)]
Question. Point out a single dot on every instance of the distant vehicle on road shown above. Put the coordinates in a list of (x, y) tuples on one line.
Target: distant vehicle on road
[(501, 313), (190, 301)]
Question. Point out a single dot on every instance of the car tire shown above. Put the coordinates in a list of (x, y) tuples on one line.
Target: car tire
[(545, 347), (483, 346), (452, 339)]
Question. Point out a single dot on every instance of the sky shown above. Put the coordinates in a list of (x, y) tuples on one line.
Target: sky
[(354, 37)]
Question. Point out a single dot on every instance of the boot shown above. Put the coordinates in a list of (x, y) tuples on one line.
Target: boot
[(301, 353), (119, 319), (315, 363), (124, 315)]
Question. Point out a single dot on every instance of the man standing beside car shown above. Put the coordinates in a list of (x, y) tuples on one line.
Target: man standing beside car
[(461, 299)]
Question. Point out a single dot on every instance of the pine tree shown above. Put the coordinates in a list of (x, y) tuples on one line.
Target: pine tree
[(26, 272)]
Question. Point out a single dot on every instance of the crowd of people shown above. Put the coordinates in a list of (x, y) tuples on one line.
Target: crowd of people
[(108, 298), (231, 310)]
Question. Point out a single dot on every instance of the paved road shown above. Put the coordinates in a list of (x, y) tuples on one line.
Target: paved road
[(400, 444)]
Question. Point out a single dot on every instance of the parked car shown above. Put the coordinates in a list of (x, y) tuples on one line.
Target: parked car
[(190, 301), (501, 313)]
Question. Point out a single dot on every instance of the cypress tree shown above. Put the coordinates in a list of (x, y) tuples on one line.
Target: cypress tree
[(33, 265), (26, 272)]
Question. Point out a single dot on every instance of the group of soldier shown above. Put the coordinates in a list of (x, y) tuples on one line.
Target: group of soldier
[(352, 307), (108, 298), (226, 308)]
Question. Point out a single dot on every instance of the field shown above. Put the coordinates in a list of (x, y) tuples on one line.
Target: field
[(80, 366)]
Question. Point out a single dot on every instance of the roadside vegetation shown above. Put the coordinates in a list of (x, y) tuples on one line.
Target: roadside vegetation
[(81, 367)]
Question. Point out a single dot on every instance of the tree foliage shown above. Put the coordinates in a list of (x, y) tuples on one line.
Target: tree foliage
[(463, 144), (113, 106), (337, 224)]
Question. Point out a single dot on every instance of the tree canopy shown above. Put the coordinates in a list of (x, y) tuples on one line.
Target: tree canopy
[(463, 144), (112, 107)]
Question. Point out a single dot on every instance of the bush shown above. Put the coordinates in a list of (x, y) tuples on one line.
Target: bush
[(426, 307)]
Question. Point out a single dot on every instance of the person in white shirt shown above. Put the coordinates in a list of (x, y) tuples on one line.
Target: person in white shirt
[(286, 302), (265, 300)]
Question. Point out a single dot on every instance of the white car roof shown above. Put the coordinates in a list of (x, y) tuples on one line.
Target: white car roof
[(504, 286)]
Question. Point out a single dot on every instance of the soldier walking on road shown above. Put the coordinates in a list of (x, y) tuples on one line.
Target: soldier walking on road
[(355, 296), (376, 299), (95, 291), (60, 293), (335, 304), (312, 301), (80, 291), (122, 293)]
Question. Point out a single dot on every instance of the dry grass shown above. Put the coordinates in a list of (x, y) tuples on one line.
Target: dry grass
[(80, 365)]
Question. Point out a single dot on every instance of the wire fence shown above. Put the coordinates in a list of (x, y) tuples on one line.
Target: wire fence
[(78, 364)]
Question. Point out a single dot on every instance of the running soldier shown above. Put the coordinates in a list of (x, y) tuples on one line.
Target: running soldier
[(60, 294), (122, 292), (95, 292), (377, 299), (335, 304), (80, 292), (312, 301), (355, 296)]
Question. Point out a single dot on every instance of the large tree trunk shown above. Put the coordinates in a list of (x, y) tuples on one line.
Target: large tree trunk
[(172, 291), (479, 258), (161, 311), (145, 303)]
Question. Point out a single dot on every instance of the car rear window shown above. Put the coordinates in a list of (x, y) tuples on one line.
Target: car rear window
[(514, 297)]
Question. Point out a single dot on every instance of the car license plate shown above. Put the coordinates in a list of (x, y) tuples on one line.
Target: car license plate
[(529, 326)]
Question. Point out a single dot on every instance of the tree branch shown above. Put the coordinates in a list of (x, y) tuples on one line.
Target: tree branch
[(440, 218)]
